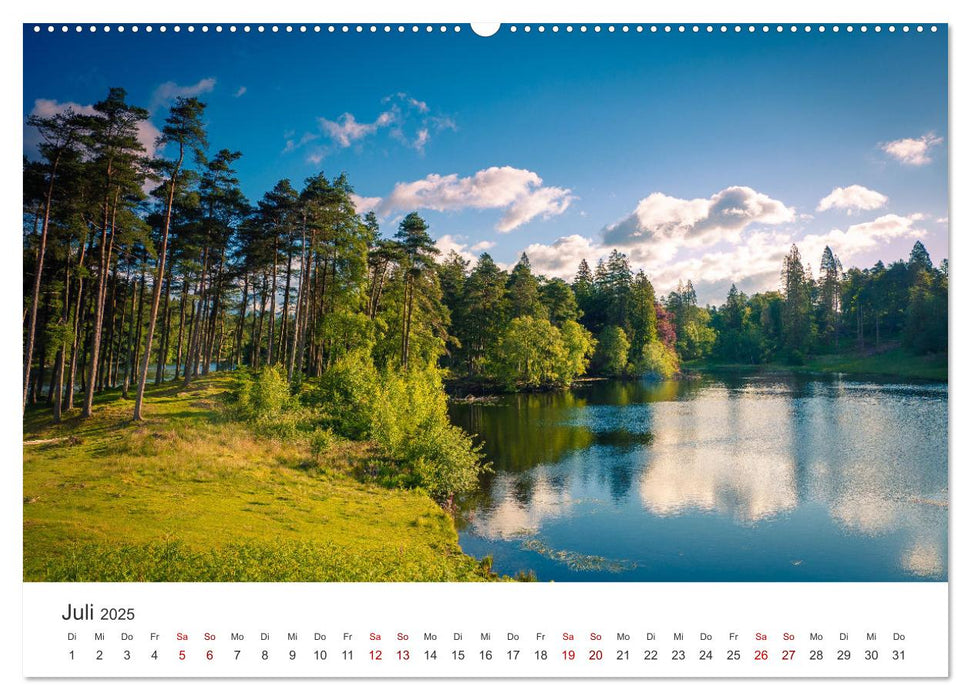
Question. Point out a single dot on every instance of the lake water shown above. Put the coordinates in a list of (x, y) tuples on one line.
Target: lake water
[(725, 477)]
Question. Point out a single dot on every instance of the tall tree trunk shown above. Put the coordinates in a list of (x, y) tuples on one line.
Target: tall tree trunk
[(121, 349), (197, 328), (284, 339), (193, 310), (182, 303), (105, 373), (131, 369), (38, 390), (79, 311), (157, 291), (258, 318), (163, 349), (214, 314), (38, 272), (99, 302), (238, 359), (297, 343), (108, 374), (269, 350), (59, 363)]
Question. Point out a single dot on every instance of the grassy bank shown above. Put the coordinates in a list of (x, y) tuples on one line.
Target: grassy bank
[(895, 362), (191, 495)]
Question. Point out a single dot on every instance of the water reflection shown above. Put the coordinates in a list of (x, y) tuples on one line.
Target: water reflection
[(722, 478)]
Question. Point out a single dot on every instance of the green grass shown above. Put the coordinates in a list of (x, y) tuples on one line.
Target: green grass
[(895, 362), (191, 495)]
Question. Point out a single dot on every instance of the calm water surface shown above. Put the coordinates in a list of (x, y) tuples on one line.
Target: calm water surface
[(726, 477)]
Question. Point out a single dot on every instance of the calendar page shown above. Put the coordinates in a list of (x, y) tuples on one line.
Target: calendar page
[(514, 350)]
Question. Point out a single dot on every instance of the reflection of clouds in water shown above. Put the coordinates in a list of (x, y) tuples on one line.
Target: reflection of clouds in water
[(762, 488), (739, 459), (874, 499), (720, 456), (924, 559), (511, 518), (856, 470)]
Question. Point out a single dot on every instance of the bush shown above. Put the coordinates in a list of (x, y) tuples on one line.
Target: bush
[(321, 441), (262, 396), (658, 360), (344, 394), (410, 422)]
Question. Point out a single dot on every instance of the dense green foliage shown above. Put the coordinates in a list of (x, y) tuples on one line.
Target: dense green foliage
[(340, 336), (658, 360), (410, 422), (613, 348), (866, 311), (534, 353)]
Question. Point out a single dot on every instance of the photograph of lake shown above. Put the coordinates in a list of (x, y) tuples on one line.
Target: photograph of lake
[(717, 477), (547, 302)]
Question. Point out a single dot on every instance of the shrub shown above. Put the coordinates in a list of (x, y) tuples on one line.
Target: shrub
[(262, 396), (344, 394), (410, 422), (321, 440), (658, 360)]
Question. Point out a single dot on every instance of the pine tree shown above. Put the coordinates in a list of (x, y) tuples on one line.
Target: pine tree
[(418, 261), (524, 291), (796, 311), (484, 314), (113, 138), (642, 314), (830, 281), (185, 131), (60, 135), (557, 297)]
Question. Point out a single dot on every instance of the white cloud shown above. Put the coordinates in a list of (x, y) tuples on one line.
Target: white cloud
[(408, 100), (519, 193), (148, 133), (482, 246), (854, 198), (347, 129), (293, 144), (860, 237), (913, 151), (240, 92), (48, 108), (166, 93), (753, 262), (420, 140), (408, 120), (667, 224), (562, 257), (449, 243), (364, 204)]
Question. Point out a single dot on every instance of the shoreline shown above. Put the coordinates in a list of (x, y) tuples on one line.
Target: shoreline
[(890, 364)]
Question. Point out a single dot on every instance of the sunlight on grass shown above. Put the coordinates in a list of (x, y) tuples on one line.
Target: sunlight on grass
[(189, 495)]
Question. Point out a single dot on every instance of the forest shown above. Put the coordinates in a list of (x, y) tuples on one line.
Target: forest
[(141, 269)]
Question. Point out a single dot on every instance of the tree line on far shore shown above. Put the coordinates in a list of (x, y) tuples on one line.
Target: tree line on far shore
[(523, 330)]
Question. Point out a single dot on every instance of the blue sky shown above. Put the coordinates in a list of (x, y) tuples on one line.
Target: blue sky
[(702, 156)]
